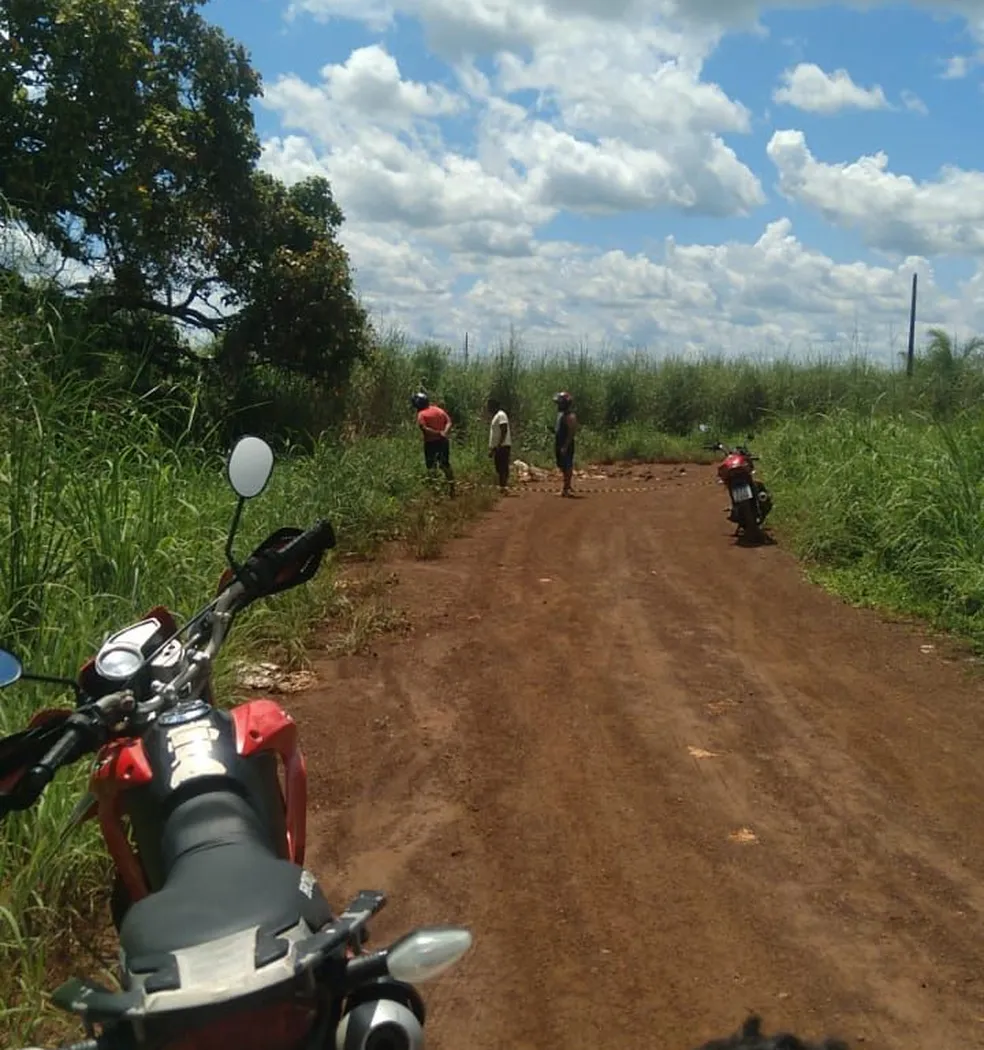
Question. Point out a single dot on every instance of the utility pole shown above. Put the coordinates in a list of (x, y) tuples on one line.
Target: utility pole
[(910, 361)]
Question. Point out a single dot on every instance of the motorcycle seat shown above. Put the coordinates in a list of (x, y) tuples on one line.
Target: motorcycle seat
[(223, 877)]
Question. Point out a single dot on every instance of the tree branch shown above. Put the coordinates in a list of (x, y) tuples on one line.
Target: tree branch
[(178, 312)]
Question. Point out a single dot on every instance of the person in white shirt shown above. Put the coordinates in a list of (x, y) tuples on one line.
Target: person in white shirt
[(500, 441)]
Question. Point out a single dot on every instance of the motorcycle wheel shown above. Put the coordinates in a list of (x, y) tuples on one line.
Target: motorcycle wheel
[(748, 520), (764, 501)]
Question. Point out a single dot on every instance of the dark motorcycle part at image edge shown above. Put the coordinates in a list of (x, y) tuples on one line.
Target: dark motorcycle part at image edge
[(225, 938)]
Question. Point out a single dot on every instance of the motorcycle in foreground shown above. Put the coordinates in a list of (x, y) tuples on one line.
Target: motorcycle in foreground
[(751, 501), (225, 938)]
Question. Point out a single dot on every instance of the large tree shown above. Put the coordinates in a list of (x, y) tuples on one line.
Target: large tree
[(292, 279), (129, 145), (129, 140)]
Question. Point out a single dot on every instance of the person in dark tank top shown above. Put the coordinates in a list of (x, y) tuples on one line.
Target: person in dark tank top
[(564, 431)]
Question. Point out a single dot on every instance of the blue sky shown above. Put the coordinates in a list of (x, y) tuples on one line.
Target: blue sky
[(542, 197)]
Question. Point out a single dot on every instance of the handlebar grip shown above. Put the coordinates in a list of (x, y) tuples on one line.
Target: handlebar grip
[(315, 541), (273, 569), (70, 744)]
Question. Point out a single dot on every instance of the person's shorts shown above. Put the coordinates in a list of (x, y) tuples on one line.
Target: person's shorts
[(437, 453), (565, 460)]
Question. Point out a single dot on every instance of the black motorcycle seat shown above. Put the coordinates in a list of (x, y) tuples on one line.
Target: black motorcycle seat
[(223, 877)]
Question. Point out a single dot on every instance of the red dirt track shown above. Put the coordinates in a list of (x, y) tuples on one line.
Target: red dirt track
[(663, 779)]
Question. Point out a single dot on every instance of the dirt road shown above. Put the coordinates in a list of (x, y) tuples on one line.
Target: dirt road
[(664, 781)]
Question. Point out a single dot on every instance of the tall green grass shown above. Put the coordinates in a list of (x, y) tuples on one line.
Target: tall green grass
[(665, 395), (102, 515), (889, 510)]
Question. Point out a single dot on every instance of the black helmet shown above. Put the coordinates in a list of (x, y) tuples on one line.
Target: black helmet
[(420, 400), (563, 400)]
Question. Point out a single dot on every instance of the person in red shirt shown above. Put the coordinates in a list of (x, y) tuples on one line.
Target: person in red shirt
[(435, 425)]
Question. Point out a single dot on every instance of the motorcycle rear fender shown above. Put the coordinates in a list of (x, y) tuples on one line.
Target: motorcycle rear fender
[(125, 790), (183, 1016), (734, 477), (734, 465)]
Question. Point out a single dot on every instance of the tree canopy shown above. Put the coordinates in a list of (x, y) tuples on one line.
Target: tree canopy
[(129, 146), (299, 310)]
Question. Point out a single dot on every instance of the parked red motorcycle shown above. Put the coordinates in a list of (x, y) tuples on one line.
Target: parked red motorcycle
[(225, 938), (751, 501)]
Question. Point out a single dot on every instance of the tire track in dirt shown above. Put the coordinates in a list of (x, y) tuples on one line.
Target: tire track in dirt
[(598, 701)]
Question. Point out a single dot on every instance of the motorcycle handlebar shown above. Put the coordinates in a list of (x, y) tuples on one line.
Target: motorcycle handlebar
[(316, 540), (265, 569), (256, 578), (80, 732), (62, 751), (738, 448), (261, 573)]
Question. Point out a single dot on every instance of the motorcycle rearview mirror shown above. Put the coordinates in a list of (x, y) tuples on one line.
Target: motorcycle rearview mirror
[(11, 669), (249, 468)]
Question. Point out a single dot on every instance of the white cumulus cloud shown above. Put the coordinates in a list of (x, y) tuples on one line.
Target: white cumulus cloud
[(892, 212), (772, 295), (374, 136), (809, 88), (453, 195), (957, 67)]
